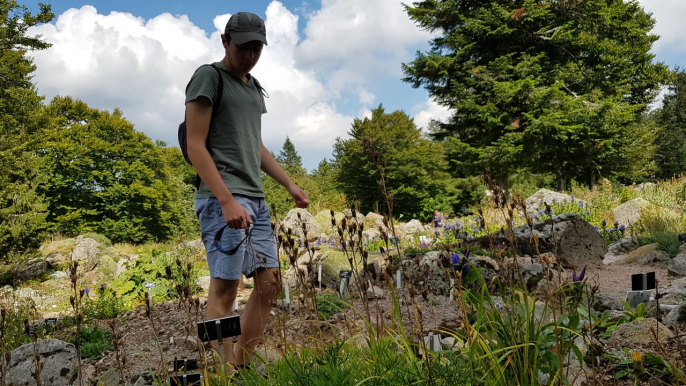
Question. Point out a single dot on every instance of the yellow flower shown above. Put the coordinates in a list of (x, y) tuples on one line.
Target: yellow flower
[(636, 357)]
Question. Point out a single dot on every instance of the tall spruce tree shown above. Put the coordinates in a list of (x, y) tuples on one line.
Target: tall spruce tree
[(671, 140), (549, 86), (22, 208), (289, 159)]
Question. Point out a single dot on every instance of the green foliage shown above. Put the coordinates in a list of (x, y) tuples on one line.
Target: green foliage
[(16, 311), (106, 305), (108, 178), (329, 304), (153, 268), (548, 86), (671, 138), (22, 207), (319, 186), (658, 225), (94, 342), (382, 362), (638, 366), (415, 167)]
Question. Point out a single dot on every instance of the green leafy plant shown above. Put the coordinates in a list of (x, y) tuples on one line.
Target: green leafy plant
[(104, 305), (94, 342), (329, 304)]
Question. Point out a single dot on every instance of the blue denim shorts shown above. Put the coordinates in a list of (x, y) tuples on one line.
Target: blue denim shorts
[(258, 251)]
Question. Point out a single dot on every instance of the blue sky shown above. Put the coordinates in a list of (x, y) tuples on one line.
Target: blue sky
[(328, 61)]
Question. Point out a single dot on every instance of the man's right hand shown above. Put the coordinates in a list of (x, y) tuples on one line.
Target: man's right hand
[(235, 215)]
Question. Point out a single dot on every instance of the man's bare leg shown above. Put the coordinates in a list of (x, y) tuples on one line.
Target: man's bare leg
[(254, 318), (220, 299)]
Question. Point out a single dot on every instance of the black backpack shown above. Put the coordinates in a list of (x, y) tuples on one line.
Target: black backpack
[(183, 130)]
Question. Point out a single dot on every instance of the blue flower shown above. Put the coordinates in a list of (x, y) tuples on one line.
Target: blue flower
[(604, 223), (536, 217), (455, 259), (616, 224), (622, 228), (596, 228)]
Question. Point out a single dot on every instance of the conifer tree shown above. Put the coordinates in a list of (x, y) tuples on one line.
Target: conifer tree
[(22, 208), (547, 86)]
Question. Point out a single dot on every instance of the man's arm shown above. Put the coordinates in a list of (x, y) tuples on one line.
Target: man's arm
[(198, 116), (274, 170)]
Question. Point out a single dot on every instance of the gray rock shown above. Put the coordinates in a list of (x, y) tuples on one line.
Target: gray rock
[(424, 272), (375, 292), (537, 200), (58, 275), (674, 293), (348, 213), (639, 332), (59, 358), (125, 261), (203, 282), (676, 317), (30, 269), (86, 249), (678, 265), (57, 260), (188, 342), (654, 258), (413, 227), (629, 212), (450, 343), (194, 245), (575, 241), (143, 379), (296, 218), (623, 246)]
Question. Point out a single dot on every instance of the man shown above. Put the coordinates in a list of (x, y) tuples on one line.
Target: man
[(226, 150)]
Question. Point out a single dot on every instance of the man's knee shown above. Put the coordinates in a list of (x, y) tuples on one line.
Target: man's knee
[(268, 283), (223, 291)]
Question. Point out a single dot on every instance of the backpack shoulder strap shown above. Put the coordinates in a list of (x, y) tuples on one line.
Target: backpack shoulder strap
[(220, 89), (259, 87), (215, 108)]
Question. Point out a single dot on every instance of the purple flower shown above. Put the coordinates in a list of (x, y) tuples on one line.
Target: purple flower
[(580, 278), (596, 228), (436, 232), (536, 217), (455, 259), (87, 290), (622, 228), (604, 223), (616, 224)]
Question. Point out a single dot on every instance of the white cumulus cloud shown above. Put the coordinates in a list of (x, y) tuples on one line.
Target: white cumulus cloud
[(428, 111), (142, 66), (669, 15)]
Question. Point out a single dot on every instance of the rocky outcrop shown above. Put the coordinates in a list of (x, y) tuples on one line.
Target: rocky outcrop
[(59, 360), (296, 218), (639, 332), (537, 200), (570, 237), (629, 212), (413, 227), (30, 269), (676, 317), (678, 265)]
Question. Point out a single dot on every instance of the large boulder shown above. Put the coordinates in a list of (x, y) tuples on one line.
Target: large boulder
[(676, 317), (296, 218), (639, 332), (569, 236), (332, 263), (323, 221), (30, 269), (413, 227), (424, 272), (678, 265), (537, 200), (629, 212), (59, 360), (674, 293)]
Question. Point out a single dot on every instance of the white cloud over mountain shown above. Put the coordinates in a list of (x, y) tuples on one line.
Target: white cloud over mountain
[(142, 66)]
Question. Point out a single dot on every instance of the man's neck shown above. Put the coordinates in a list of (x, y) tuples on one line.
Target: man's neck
[(232, 70)]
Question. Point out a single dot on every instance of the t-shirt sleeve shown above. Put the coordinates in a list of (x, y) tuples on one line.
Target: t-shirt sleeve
[(203, 83)]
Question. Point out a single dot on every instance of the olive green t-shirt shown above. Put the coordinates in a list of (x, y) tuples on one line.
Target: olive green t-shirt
[(234, 139)]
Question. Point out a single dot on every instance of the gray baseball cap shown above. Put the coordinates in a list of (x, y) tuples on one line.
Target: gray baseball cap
[(244, 27)]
